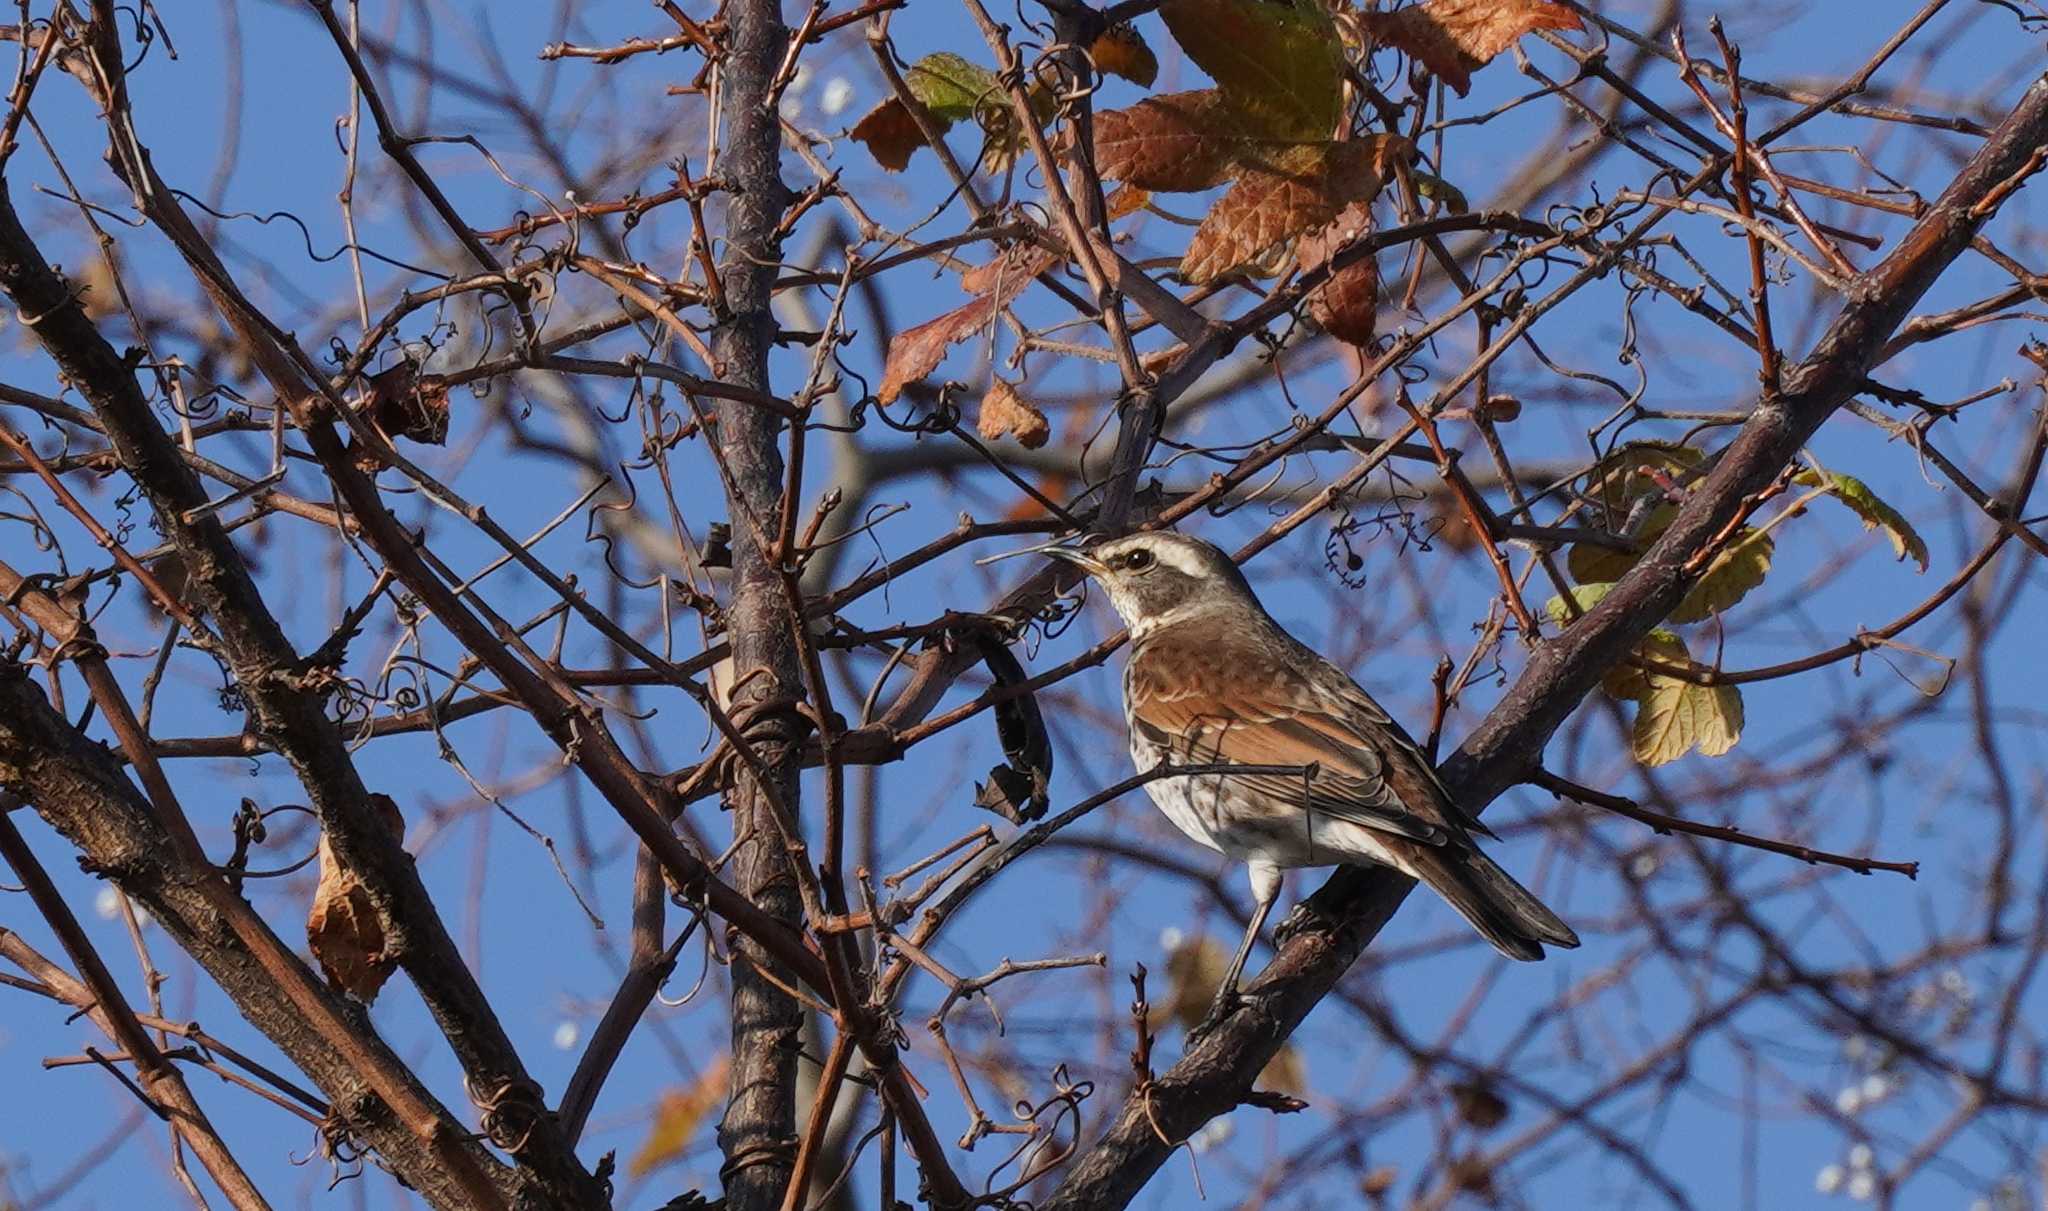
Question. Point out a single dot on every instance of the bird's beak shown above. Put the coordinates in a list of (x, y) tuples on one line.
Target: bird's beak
[(1080, 559)]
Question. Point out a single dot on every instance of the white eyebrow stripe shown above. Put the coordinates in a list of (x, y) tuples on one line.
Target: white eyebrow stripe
[(1182, 559)]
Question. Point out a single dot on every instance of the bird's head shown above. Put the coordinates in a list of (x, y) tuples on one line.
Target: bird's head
[(1158, 578)]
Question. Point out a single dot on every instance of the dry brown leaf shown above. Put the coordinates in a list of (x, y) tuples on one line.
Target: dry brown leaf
[(1178, 142), (1299, 189), (1009, 272), (916, 352), (1124, 201), (891, 134), (1004, 411), (1454, 38), (1194, 971), (1347, 305), (406, 403), (1263, 211), (677, 1118), (343, 928), (1479, 1104)]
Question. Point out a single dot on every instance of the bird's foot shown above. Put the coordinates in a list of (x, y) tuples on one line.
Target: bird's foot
[(1228, 1000), (1301, 919)]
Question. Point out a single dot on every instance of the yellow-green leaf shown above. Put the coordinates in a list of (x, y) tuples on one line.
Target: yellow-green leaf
[(1590, 564), (1675, 717), (1429, 185), (1739, 567), (1586, 595), (1280, 61), (952, 88), (1631, 684), (1876, 514)]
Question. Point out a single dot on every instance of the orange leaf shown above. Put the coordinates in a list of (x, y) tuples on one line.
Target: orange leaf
[(1124, 201), (343, 929), (1182, 142), (890, 133), (1121, 51), (676, 1120), (1004, 411), (1347, 305), (1454, 38)]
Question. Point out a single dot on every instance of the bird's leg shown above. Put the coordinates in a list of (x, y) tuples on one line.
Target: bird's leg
[(1266, 881)]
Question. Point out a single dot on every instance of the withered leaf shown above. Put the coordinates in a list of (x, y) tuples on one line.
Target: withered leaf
[(1479, 1104), (1015, 790), (950, 89), (1178, 142), (1299, 189), (677, 1118), (1194, 971), (1003, 411), (406, 403), (1121, 51), (1347, 305), (1010, 272), (343, 929), (891, 134), (1124, 201), (1454, 38), (916, 352)]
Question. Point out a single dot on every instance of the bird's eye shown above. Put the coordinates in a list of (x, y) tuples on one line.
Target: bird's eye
[(1138, 560)]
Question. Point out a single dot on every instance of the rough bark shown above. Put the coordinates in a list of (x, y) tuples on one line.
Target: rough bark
[(758, 1133)]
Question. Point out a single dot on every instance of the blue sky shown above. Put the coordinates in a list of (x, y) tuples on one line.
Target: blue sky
[(549, 972)]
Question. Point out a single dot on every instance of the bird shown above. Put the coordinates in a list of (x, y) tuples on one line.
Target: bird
[(1212, 680)]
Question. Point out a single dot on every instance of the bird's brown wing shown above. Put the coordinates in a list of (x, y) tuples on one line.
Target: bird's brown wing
[(1254, 711)]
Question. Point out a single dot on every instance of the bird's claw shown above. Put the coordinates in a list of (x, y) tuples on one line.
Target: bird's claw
[(1300, 919)]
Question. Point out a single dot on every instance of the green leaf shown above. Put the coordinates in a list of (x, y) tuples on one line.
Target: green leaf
[(1866, 504), (952, 88), (1586, 595), (1673, 716), (1280, 62), (1429, 185), (1740, 567)]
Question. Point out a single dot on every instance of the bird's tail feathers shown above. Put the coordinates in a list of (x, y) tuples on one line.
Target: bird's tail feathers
[(1503, 911)]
